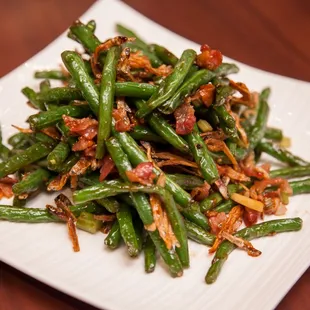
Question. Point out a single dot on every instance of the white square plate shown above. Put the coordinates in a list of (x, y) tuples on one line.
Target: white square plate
[(114, 281)]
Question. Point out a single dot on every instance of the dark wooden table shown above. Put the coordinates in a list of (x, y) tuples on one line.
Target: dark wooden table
[(271, 35)]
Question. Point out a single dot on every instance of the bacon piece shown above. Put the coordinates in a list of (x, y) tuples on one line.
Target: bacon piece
[(209, 58), (6, 184), (58, 183), (87, 127), (139, 61), (216, 220), (201, 192), (250, 216), (225, 170), (116, 41), (215, 145), (80, 167), (204, 94), (230, 225), (185, 119), (105, 217), (242, 244), (162, 222), (82, 144), (90, 151), (248, 167), (121, 118), (106, 168), (52, 132), (142, 174)]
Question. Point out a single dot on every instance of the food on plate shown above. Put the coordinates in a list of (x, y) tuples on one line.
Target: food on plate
[(156, 149)]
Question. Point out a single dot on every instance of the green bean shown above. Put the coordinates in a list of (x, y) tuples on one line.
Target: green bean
[(51, 74), (255, 231), (163, 129), (106, 99), (149, 255), (145, 134), (19, 138), (133, 89), (31, 182), (194, 215), (274, 134), (137, 156), (202, 156), (226, 69), (19, 203), (62, 94), (123, 164), (222, 92), (110, 204), (18, 161), (281, 154), (225, 206), (85, 35), (50, 118), (300, 186), (169, 86), (178, 227), (215, 199), (264, 95), (44, 138), (291, 172), (35, 215), (91, 25), (187, 182), (128, 233), (32, 97), (57, 157), (190, 85), (81, 77), (198, 234), (124, 31), (4, 152), (113, 239), (164, 55), (45, 85)]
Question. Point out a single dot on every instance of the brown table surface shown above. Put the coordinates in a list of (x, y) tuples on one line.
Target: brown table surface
[(271, 35)]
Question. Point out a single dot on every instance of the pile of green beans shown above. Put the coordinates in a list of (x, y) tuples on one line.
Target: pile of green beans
[(37, 158)]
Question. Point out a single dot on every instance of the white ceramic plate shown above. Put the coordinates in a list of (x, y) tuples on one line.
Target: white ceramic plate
[(112, 280)]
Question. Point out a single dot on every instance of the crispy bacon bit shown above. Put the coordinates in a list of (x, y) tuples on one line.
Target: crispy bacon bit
[(123, 66), (143, 174), (161, 180), (58, 183), (105, 217), (120, 115), (185, 119), (242, 244), (204, 94), (162, 222), (23, 130), (63, 212), (103, 47), (209, 58), (216, 220), (230, 225), (82, 144), (73, 181), (86, 127), (250, 217), (246, 99), (201, 192), (90, 151), (215, 145), (249, 168), (139, 61), (225, 170), (106, 168), (6, 184), (80, 167), (241, 131), (52, 132)]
